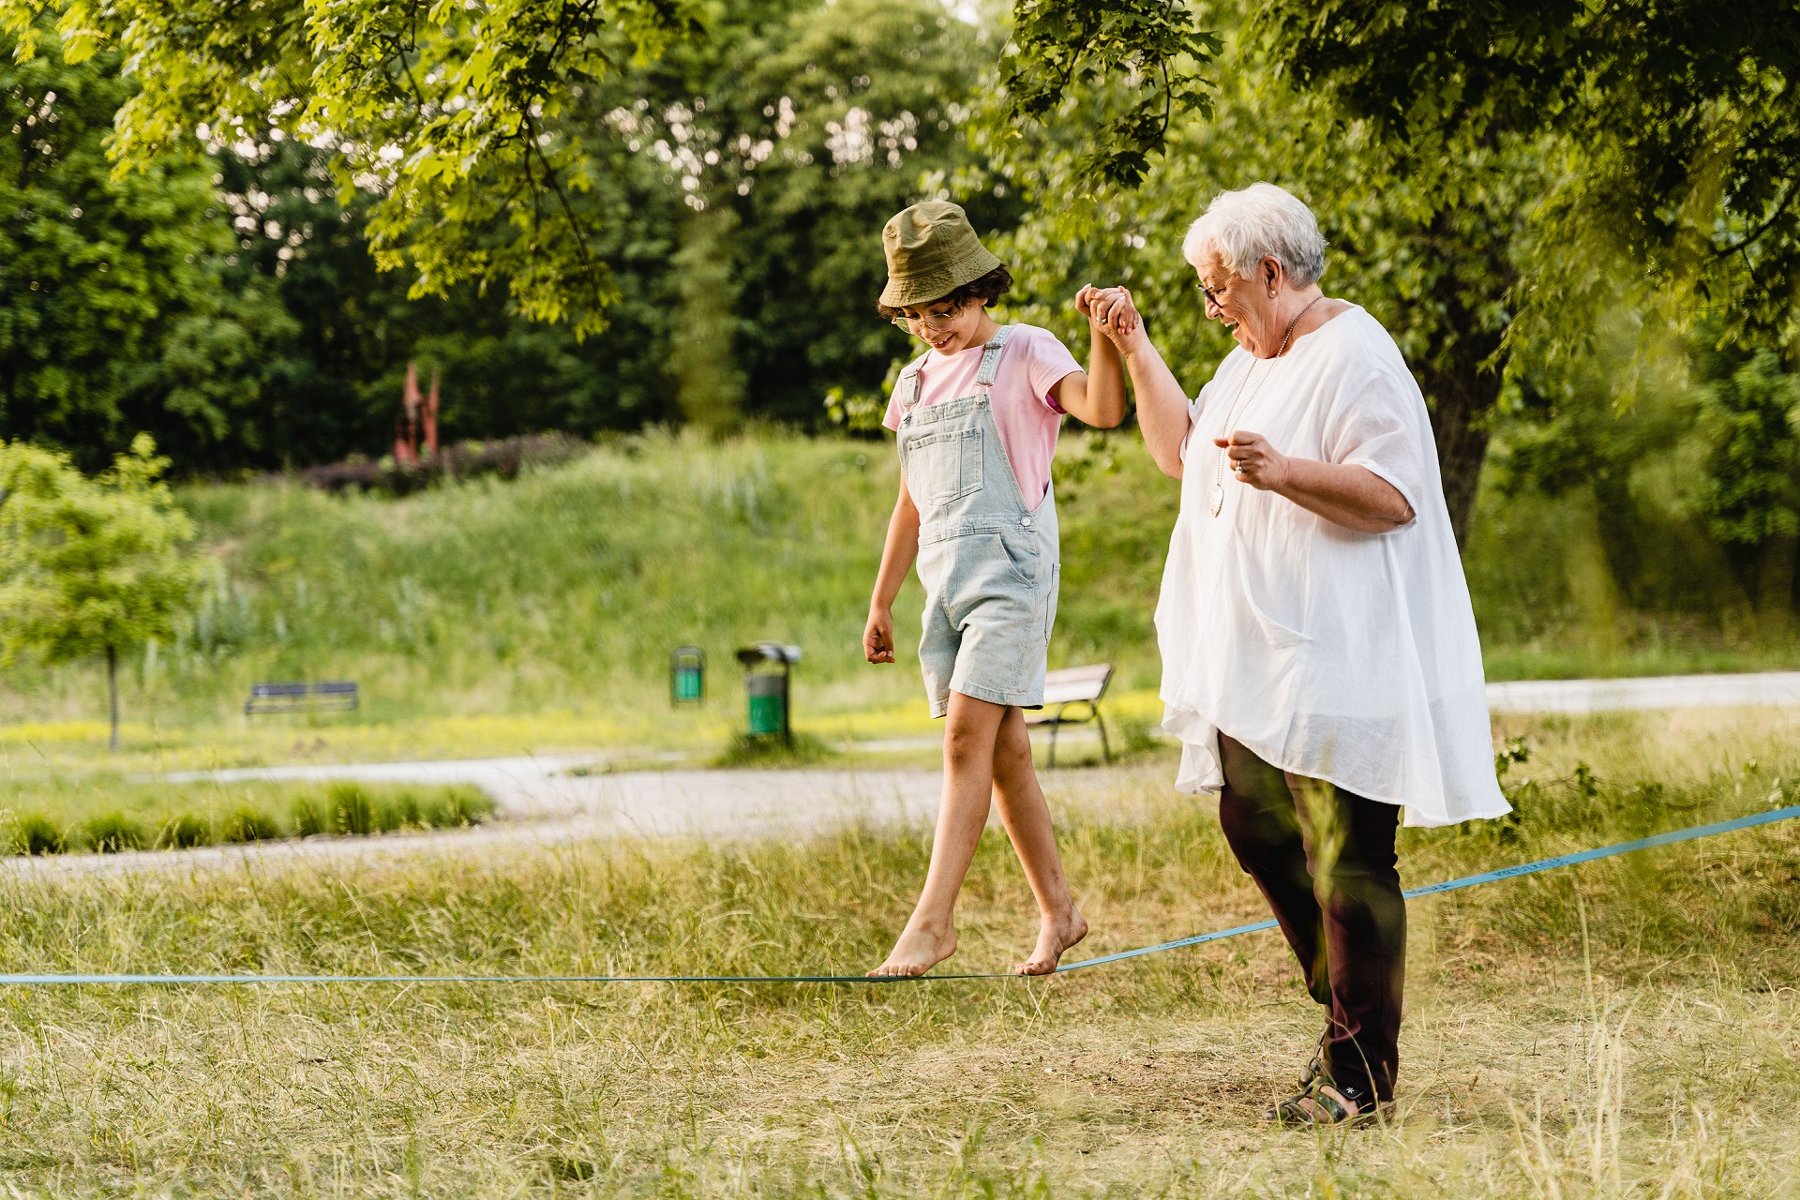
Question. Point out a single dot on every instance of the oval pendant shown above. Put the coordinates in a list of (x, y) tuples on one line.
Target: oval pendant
[(1218, 499)]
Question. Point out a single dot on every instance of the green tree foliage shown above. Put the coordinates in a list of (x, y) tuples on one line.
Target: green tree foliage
[(711, 387), (1753, 416), (1069, 56), (111, 312), (1750, 419), (1691, 458), (332, 386), (811, 124), (732, 188), (1503, 170), (89, 566), (455, 116), (1436, 276), (1681, 116)]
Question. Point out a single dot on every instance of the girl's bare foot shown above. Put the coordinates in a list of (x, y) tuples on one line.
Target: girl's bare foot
[(917, 951), (1054, 937)]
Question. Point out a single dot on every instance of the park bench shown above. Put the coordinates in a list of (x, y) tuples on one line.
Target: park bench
[(1072, 697), (301, 697)]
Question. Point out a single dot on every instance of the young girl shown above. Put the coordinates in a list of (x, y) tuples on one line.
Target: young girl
[(976, 418)]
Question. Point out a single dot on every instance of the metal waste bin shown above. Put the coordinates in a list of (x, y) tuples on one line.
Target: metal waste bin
[(766, 671), (687, 675)]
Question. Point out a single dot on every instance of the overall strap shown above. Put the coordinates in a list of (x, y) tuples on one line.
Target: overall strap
[(990, 358), (911, 380)]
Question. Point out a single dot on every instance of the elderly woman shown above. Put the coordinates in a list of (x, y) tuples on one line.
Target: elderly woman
[(1320, 663)]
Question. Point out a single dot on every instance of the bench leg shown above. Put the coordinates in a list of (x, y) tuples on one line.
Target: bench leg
[(1053, 730), (1105, 747)]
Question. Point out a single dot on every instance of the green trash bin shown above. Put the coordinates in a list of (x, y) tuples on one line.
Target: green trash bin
[(768, 704), (766, 670), (687, 675)]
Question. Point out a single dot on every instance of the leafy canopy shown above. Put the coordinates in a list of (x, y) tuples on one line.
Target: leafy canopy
[(1678, 124), (1681, 118), (1128, 67), (454, 113)]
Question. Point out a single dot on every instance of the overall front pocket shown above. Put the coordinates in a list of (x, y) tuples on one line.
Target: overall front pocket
[(942, 467)]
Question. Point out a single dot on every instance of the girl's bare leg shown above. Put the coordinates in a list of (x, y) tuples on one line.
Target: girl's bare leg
[(930, 934), (1027, 820)]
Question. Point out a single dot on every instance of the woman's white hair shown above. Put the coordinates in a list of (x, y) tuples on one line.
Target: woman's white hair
[(1258, 222)]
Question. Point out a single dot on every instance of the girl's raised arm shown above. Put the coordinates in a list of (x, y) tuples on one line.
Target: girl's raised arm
[(1162, 405)]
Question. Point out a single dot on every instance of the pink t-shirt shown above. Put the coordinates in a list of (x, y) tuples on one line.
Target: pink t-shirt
[(1033, 361)]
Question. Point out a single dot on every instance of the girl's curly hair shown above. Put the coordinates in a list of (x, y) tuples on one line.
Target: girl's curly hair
[(985, 290)]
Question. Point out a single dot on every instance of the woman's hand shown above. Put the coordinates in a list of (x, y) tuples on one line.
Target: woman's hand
[(1110, 312), (878, 636), (1252, 460), (1344, 493)]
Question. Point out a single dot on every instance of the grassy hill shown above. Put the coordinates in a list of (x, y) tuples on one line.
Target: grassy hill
[(565, 590)]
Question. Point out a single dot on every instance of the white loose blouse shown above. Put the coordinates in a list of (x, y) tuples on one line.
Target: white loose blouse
[(1337, 655)]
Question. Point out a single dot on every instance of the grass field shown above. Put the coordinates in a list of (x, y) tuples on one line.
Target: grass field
[(541, 613), (537, 616), (1623, 1029)]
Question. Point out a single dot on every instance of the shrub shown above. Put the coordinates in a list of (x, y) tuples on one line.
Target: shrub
[(185, 830), (111, 832), (34, 833), (247, 824), (351, 809), (347, 808), (468, 806), (402, 812), (453, 808), (310, 817)]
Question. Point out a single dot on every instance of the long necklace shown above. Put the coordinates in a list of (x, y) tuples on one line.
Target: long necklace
[(1231, 416)]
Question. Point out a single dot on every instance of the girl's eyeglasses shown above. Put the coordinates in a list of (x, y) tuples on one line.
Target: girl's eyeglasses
[(928, 322)]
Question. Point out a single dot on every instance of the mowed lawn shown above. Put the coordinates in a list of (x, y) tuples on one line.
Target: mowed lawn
[(1620, 1029)]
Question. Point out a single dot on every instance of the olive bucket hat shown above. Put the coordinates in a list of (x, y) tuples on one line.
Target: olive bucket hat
[(931, 251)]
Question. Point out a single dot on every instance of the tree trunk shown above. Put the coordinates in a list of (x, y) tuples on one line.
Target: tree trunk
[(1774, 595), (112, 693), (1459, 423), (1462, 392)]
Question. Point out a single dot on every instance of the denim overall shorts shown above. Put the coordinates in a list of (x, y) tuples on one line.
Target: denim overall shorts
[(989, 563)]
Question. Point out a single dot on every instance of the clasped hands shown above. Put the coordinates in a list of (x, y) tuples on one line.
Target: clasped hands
[(1249, 456), (1111, 313)]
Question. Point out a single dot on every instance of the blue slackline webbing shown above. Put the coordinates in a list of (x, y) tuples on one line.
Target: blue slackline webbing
[(1544, 864), (1451, 885)]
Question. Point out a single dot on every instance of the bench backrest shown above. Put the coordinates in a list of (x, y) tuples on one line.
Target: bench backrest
[(330, 688), (1076, 683)]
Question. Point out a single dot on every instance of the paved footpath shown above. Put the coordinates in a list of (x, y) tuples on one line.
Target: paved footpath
[(1778, 688), (546, 809), (552, 800)]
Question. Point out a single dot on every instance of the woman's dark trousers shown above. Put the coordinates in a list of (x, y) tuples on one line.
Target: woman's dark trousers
[(1324, 858)]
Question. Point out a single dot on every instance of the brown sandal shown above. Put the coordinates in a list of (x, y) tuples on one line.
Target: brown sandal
[(1324, 1103)]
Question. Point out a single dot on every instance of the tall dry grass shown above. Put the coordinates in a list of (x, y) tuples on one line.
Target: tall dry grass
[(1624, 1029)]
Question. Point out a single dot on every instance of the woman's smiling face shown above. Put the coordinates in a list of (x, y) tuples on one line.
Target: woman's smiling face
[(1237, 303)]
